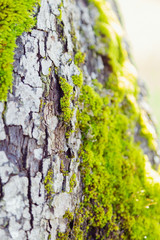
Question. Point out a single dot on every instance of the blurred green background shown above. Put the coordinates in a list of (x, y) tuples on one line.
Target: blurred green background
[(142, 24)]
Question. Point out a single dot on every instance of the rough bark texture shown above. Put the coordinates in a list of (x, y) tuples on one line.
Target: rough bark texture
[(32, 130)]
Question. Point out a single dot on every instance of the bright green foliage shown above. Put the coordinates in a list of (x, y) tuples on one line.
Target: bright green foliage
[(66, 99), (48, 183), (16, 16), (78, 79)]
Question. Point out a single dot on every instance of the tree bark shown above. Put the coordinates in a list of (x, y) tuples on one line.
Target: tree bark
[(33, 134)]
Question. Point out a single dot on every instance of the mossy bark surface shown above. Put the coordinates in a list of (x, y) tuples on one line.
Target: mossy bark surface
[(76, 135)]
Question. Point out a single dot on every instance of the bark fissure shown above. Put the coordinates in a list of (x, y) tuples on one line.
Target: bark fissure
[(30, 198)]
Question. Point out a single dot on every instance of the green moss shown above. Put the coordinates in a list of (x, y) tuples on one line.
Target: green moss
[(72, 182), (49, 236), (60, 10), (65, 101), (111, 163), (79, 58), (48, 183), (62, 169), (62, 236), (78, 79), (119, 201), (147, 131), (97, 85), (109, 30), (68, 215), (15, 18)]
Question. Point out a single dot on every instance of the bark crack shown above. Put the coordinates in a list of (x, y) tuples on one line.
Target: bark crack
[(30, 199)]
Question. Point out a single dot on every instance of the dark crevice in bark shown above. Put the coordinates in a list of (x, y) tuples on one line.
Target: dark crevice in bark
[(30, 116), (30, 198), (64, 183), (47, 230), (27, 238), (45, 42), (60, 94), (70, 153), (24, 157), (65, 46), (39, 59), (41, 167), (49, 224), (55, 93), (71, 224), (45, 149), (60, 30), (1, 189), (3, 113)]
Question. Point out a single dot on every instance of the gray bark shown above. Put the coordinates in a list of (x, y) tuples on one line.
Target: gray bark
[(32, 132)]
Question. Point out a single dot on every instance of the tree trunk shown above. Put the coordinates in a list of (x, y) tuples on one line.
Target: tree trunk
[(40, 141)]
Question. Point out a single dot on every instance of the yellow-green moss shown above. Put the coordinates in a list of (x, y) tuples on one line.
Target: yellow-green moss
[(65, 101), (69, 216), (60, 10), (110, 32), (49, 236), (62, 169), (147, 130), (78, 79), (113, 165), (97, 84), (118, 200), (15, 18), (79, 58), (72, 182), (48, 183)]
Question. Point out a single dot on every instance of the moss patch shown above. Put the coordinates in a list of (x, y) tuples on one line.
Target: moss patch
[(119, 201), (60, 10), (65, 101), (79, 58), (48, 183), (147, 130), (78, 79), (15, 18), (72, 182)]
